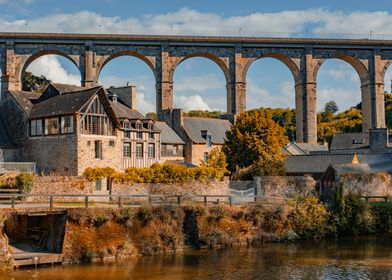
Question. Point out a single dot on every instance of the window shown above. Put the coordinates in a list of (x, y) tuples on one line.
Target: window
[(127, 130), (139, 127), (95, 120), (111, 143), (139, 150), (98, 185), (205, 156), (67, 124), (127, 150), (358, 141), (151, 150), (209, 141), (98, 149), (174, 149), (151, 132), (51, 126), (35, 127)]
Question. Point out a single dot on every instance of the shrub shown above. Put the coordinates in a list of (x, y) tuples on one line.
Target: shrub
[(157, 173), (310, 219), (382, 214), (24, 182), (144, 214)]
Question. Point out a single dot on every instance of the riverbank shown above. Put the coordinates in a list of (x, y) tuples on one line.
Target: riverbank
[(103, 233)]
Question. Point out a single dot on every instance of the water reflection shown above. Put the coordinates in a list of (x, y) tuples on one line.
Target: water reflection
[(361, 258)]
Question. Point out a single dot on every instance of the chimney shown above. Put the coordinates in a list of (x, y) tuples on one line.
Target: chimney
[(133, 97), (378, 139), (126, 94)]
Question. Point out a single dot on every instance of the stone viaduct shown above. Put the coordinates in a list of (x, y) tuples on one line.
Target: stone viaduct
[(234, 55)]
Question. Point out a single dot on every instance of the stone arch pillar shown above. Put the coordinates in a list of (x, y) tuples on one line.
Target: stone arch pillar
[(236, 85), (164, 82), (9, 62), (377, 70), (306, 101), (88, 67)]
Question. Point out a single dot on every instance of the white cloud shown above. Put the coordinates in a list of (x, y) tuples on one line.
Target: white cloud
[(193, 22), (344, 98), (260, 97), (194, 102), (50, 67), (198, 84)]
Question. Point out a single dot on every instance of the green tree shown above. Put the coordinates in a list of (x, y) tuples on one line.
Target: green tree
[(152, 115), (203, 114), (34, 83), (331, 107), (217, 160), (254, 142)]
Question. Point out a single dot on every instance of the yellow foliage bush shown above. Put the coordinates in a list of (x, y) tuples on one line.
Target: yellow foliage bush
[(157, 173)]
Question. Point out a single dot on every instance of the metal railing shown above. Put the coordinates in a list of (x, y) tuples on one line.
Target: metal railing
[(88, 201), (29, 167)]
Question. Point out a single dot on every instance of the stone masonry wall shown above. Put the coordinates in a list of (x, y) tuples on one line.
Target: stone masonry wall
[(77, 185), (284, 186), (367, 184), (198, 151), (53, 154), (111, 156)]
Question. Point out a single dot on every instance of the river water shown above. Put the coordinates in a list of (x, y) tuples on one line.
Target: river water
[(361, 258)]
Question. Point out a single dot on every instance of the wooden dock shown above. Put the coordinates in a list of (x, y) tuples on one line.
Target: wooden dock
[(25, 255)]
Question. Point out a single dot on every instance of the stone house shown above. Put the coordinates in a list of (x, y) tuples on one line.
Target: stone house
[(201, 135), (354, 177), (172, 146), (140, 136), (67, 129)]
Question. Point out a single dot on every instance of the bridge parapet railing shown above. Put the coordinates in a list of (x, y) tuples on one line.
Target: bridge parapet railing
[(90, 201)]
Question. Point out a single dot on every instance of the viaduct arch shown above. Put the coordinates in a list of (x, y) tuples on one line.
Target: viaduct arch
[(303, 57)]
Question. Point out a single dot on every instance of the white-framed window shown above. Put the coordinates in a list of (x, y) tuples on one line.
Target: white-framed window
[(52, 126), (36, 128), (67, 124), (127, 150), (139, 150), (151, 150)]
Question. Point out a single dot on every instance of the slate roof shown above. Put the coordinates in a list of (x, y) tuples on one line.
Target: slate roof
[(63, 88), (5, 141), (313, 164), (215, 127), (350, 168), (295, 148), (347, 141), (168, 135), (66, 103), (122, 111), (25, 99)]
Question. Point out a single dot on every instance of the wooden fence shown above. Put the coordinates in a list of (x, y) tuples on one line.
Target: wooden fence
[(88, 201)]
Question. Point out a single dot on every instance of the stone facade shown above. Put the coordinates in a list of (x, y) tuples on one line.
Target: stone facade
[(53, 154), (197, 153), (111, 155)]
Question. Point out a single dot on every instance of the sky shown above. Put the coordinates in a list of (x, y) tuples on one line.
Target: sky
[(198, 82)]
